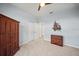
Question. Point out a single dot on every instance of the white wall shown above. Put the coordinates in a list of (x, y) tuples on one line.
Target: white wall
[(69, 24), (22, 17)]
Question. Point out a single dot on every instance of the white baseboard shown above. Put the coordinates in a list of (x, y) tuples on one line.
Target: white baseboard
[(75, 46), (24, 42), (27, 41)]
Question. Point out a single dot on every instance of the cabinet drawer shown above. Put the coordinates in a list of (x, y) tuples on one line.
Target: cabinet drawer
[(57, 40)]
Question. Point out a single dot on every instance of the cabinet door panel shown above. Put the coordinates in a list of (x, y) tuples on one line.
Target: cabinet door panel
[(3, 39), (3, 51), (8, 50), (2, 36), (17, 35), (8, 37), (13, 37), (0, 33)]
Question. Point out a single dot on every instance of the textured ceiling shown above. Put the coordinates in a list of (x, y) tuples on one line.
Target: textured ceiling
[(32, 8), (57, 10)]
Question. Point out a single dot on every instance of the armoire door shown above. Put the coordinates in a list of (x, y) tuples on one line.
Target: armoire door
[(8, 37), (14, 37), (2, 36), (17, 36)]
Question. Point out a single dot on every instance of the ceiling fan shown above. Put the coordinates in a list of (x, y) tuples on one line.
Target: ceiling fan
[(42, 5)]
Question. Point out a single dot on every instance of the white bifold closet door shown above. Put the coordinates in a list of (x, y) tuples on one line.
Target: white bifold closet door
[(37, 31)]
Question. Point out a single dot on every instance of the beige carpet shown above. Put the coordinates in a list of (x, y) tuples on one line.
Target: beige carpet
[(41, 47)]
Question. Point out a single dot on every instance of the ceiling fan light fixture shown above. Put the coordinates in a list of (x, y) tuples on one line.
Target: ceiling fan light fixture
[(42, 4)]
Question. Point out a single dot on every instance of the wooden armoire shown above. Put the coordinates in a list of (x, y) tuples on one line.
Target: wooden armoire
[(9, 36)]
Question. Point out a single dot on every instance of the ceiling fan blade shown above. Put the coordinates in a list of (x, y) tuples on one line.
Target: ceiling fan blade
[(39, 7), (47, 3)]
